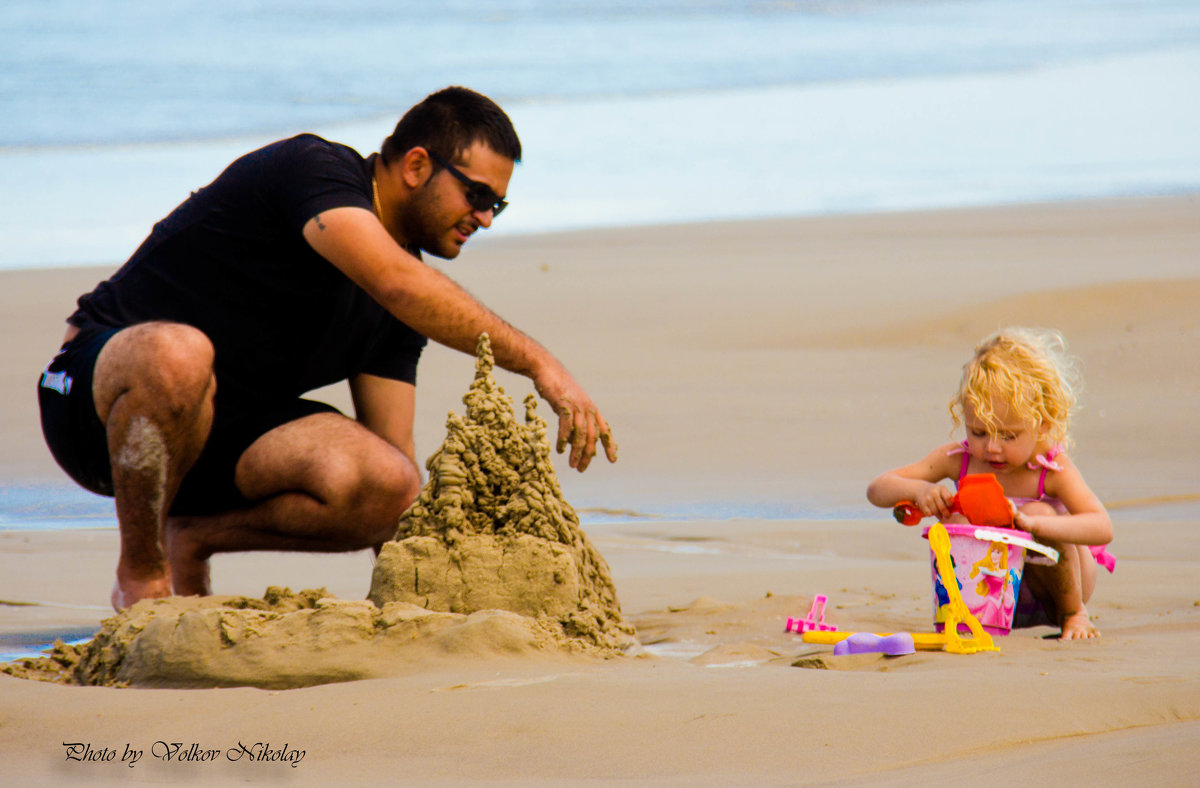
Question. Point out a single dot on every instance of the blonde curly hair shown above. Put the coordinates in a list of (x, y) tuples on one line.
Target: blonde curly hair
[(1029, 370)]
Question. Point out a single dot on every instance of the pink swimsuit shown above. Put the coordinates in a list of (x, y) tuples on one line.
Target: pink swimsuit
[(1047, 463)]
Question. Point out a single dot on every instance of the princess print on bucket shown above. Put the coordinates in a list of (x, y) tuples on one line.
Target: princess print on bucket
[(1015, 400)]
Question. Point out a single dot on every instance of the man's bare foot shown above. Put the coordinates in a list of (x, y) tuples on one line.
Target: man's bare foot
[(1078, 626), (128, 592), (189, 566)]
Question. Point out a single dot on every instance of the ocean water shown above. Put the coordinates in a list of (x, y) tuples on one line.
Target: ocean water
[(631, 112)]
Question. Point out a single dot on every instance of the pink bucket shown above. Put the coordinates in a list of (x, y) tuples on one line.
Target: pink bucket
[(988, 566)]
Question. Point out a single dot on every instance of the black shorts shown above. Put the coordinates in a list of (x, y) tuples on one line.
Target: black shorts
[(79, 442)]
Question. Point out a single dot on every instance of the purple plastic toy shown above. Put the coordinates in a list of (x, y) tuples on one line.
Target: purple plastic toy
[(867, 643)]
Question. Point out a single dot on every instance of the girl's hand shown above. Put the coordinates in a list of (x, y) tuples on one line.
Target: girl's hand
[(1025, 522), (935, 501)]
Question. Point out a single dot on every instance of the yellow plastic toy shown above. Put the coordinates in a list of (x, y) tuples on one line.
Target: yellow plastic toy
[(949, 639), (939, 542)]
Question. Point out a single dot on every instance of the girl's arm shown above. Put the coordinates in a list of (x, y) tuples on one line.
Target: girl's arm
[(1088, 522), (918, 483)]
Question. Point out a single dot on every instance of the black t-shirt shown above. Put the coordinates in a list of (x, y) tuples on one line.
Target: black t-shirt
[(231, 260)]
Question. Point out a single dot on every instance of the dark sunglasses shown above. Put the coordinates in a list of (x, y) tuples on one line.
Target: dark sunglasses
[(479, 195)]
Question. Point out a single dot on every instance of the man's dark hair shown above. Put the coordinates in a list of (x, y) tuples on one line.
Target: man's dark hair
[(449, 122)]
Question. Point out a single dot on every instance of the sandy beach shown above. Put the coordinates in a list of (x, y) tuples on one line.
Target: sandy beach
[(757, 375)]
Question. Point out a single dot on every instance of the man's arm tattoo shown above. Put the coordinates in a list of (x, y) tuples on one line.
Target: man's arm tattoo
[(320, 224)]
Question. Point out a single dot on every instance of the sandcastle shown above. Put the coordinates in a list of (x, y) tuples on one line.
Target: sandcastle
[(488, 560), (491, 530)]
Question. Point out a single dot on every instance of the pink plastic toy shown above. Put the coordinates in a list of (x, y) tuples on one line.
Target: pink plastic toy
[(1103, 557), (815, 622)]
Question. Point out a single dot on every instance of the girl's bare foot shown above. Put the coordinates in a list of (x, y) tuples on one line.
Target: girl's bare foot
[(1078, 626)]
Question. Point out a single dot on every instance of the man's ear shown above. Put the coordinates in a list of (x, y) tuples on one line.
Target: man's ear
[(416, 167)]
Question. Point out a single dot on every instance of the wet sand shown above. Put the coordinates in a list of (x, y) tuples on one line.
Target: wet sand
[(757, 375)]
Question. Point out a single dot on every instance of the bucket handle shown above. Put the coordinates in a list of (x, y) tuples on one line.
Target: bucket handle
[(987, 535)]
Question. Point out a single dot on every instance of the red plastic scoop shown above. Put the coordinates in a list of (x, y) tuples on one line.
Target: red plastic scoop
[(980, 499)]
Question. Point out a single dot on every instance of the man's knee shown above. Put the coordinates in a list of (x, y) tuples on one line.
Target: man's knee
[(180, 356), (171, 363), (377, 486), (392, 486)]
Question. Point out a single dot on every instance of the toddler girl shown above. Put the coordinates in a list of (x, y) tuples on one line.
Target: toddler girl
[(1015, 400)]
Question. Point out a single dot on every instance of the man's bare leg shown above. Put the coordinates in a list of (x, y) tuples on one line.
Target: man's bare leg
[(153, 388), (323, 483)]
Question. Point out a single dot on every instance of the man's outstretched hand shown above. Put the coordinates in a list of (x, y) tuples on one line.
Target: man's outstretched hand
[(579, 421)]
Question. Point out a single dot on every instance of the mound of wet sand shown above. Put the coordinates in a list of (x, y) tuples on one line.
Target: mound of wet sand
[(490, 560), (283, 640)]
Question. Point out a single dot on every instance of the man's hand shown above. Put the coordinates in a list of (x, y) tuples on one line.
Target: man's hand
[(579, 421)]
